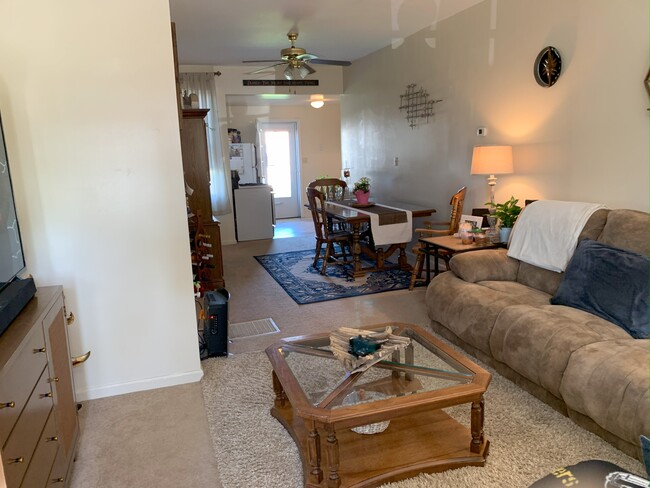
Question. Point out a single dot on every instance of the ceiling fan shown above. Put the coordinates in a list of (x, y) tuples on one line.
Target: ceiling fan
[(297, 61)]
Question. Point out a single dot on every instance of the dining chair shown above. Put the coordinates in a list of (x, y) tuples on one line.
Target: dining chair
[(325, 234), (450, 228), (332, 188)]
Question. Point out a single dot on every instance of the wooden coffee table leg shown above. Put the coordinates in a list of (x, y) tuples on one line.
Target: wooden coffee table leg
[(409, 357), (333, 481), (313, 445), (478, 411), (280, 396)]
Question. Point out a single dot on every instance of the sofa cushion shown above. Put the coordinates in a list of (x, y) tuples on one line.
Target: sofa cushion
[(627, 229), (470, 310), (608, 381), (609, 282), (483, 265), (539, 278), (537, 341)]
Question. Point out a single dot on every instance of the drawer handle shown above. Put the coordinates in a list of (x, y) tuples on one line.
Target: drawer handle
[(58, 480), (52, 439), (17, 460), (70, 319), (77, 360), (40, 349), (46, 395), (53, 380), (8, 405)]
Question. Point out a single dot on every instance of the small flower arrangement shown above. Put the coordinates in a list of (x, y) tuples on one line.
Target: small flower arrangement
[(362, 185)]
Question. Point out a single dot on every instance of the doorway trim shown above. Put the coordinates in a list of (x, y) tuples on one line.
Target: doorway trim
[(296, 176)]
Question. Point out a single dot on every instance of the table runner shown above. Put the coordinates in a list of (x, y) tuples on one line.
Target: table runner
[(389, 225)]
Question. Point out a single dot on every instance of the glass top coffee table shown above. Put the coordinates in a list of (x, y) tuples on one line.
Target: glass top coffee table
[(382, 424)]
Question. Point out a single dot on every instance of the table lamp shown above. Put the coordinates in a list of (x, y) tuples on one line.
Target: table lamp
[(491, 160)]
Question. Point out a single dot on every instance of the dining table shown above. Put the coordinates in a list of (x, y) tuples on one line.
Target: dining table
[(358, 217)]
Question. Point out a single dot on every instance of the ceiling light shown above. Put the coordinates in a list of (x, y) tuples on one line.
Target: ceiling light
[(317, 101)]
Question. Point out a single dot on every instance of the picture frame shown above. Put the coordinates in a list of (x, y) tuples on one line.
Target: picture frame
[(476, 221)]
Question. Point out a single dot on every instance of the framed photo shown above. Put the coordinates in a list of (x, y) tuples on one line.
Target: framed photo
[(476, 221)]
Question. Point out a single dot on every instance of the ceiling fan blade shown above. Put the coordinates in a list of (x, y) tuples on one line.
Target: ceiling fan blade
[(265, 68), (262, 61), (306, 57), (330, 61)]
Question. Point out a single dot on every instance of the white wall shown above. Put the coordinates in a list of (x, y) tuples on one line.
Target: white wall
[(584, 139), (88, 103)]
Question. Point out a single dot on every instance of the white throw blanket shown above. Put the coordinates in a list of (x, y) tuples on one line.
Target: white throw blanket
[(389, 233), (546, 233)]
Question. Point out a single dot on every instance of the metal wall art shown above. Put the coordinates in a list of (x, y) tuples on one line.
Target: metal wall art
[(548, 66), (415, 102)]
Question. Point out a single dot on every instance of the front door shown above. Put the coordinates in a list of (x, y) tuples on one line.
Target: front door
[(278, 143)]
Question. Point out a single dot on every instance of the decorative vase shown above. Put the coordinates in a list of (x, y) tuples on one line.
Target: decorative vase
[(465, 233), (504, 233), (493, 232), (362, 196)]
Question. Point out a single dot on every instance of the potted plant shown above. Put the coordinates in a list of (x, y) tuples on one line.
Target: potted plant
[(507, 214), (361, 189)]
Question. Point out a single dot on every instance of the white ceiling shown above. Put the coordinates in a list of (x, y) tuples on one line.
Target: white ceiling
[(222, 33)]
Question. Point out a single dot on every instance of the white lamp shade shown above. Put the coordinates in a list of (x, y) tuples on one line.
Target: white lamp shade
[(492, 160)]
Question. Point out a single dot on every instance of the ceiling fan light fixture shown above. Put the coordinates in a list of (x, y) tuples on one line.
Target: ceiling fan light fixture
[(296, 72)]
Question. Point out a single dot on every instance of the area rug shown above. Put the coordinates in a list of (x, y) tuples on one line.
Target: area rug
[(295, 274), (528, 439)]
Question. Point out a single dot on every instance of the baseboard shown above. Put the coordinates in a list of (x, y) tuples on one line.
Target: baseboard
[(228, 243), (135, 386)]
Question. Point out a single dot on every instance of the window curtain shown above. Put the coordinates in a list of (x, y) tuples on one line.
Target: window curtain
[(203, 85)]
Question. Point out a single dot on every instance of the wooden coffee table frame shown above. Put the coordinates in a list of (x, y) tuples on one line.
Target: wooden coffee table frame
[(420, 438)]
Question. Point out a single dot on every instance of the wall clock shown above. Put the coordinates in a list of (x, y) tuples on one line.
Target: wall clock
[(548, 66)]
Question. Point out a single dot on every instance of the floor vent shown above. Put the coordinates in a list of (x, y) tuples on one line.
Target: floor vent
[(253, 328)]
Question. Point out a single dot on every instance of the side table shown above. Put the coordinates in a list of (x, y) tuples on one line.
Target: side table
[(432, 245)]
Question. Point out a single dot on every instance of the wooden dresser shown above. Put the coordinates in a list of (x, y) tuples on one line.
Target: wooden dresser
[(196, 170), (38, 410)]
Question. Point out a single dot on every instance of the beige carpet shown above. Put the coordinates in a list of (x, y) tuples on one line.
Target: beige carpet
[(528, 439)]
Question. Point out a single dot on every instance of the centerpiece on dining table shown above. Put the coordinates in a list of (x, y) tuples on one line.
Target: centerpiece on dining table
[(361, 190)]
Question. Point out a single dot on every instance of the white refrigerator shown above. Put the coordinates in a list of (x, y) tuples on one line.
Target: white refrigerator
[(254, 212), (243, 159)]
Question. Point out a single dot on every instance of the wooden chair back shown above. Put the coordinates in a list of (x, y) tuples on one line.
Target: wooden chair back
[(456, 203), (316, 200), (332, 188)]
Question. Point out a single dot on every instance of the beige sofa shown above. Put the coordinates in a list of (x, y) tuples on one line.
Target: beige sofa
[(497, 309)]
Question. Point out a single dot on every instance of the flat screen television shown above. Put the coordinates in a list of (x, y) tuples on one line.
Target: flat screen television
[(14, 292)]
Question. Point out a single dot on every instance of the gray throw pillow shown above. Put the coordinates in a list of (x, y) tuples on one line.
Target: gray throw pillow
[(609, 282)]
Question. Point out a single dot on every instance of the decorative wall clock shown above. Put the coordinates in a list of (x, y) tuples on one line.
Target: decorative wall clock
[(548, 66)]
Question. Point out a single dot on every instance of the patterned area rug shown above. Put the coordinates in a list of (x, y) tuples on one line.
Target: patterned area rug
[(295, 273)]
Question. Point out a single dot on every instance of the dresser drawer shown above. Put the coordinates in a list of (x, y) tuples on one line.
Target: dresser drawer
[(43, 459), (17, 379), (19, 448), (60, 469)]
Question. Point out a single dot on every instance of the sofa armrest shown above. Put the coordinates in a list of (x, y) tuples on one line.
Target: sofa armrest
[(485, 265)]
